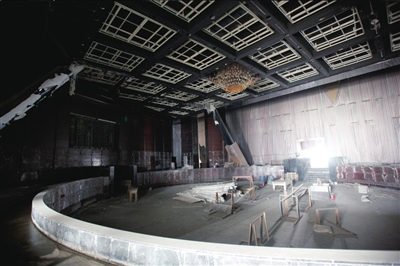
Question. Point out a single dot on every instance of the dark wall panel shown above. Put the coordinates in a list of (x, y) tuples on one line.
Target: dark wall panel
[(36, 148)]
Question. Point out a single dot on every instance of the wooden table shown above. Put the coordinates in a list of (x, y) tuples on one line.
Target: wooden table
[(283, 183)]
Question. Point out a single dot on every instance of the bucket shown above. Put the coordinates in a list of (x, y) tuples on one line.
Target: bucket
[(263, 179)]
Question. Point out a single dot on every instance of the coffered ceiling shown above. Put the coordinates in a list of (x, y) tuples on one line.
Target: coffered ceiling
[(157, 56)]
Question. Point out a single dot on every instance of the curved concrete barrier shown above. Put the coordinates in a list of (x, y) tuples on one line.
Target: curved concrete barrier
[(128, 248)]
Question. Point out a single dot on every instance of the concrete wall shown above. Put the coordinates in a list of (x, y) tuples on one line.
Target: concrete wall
[(128, 248), (69, 197)]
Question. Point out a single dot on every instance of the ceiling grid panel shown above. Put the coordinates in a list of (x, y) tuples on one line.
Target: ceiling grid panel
[(126, 24), (168, 51)]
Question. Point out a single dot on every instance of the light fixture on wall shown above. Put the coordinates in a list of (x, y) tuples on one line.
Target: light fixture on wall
[(234, 78)]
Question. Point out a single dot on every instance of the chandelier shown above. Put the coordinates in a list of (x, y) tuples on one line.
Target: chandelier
[(234, 78)]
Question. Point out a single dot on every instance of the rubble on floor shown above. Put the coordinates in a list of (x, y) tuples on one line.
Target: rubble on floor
[(207, 193)]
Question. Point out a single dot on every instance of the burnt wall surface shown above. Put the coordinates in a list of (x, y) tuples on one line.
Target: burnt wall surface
[(37, 148), (189, 140), (215, 143), (216, 154)]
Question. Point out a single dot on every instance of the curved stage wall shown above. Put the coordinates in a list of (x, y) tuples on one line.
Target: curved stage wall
[(122, 247)]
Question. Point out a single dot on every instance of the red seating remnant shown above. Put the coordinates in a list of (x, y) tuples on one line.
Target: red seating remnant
[(367, 172), (390, 174), (358, 172), (380, 175), (340, 174)]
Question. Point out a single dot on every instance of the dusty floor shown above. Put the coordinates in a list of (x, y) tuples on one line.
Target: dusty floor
[(22, 243), (373, 225), (376, 224)]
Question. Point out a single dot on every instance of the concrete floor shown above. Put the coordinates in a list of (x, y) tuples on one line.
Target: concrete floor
[(376, 224), (22, 243)]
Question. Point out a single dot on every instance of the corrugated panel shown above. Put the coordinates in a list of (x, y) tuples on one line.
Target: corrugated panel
[(362, 125)]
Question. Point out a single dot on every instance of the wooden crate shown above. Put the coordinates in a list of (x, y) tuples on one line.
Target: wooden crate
[(292, 176)]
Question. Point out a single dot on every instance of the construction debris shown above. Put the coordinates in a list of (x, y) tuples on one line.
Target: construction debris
[(221, 208), (187, 198), (362, 189), (364, 198), (206, 193)]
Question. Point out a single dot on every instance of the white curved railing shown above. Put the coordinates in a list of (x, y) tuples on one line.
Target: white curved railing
[(122, 247)]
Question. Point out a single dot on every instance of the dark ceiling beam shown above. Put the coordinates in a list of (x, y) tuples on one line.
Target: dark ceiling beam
[(205, 73), (168, 47), (105, 68), (180, 66), (118, 44), (270, 40), (305, 54), (268, 14), (300, 45), (156, 13), (199, 94), (269, 19), (216, 10), (254, 67), (95, 99), (216, 45), (140, 108), (213, 95), (279, 81)]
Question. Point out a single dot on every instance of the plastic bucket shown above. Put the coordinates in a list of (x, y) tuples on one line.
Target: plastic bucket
[(263, 179)]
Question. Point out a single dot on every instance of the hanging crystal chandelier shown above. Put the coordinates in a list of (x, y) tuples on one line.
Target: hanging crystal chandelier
[(234, 78)]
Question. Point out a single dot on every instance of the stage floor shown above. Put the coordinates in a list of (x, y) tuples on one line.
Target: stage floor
[(373, 225)]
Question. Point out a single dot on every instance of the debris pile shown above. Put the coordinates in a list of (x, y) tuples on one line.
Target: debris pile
[(207, 193)]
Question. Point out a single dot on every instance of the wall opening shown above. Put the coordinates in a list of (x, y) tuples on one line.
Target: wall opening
[(314, 149)]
